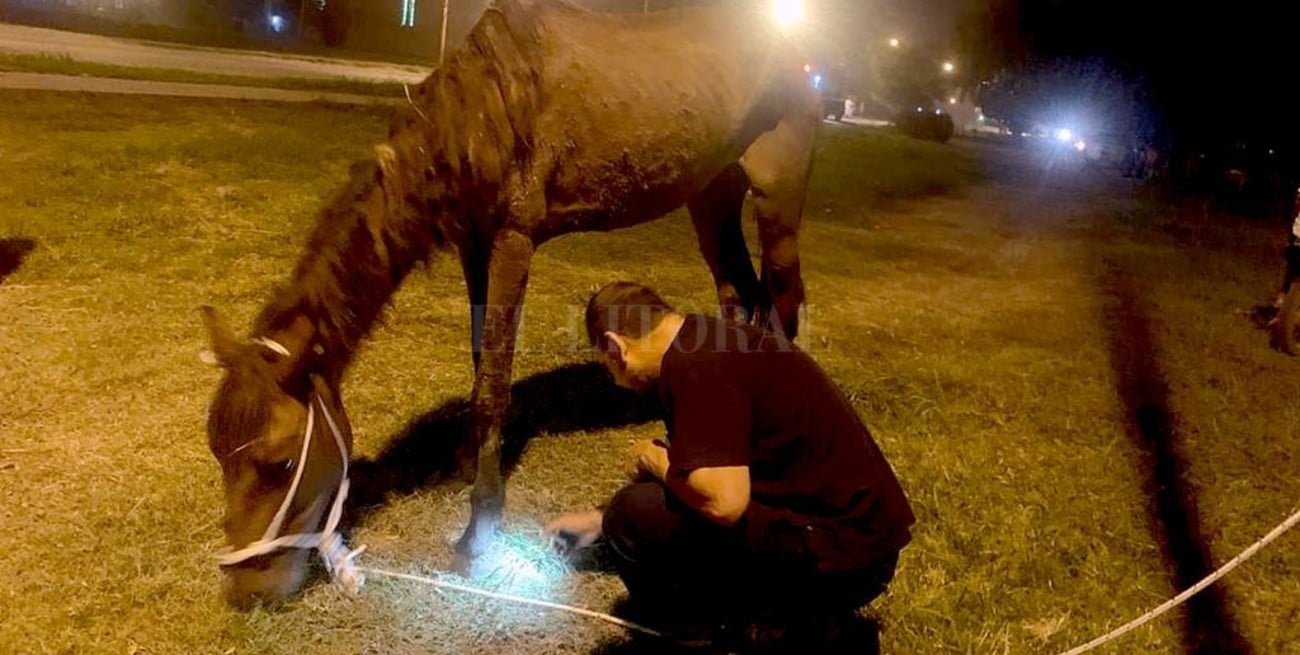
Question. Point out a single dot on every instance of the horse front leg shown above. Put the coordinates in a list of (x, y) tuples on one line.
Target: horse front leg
[(508, 265), (474, 264)]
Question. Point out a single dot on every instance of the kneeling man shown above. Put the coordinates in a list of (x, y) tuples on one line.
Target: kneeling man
[(770, 498)]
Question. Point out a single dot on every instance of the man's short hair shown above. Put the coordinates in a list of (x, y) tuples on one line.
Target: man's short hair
[(624, 308)]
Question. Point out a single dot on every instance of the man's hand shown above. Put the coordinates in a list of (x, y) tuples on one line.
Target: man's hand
[(567, 533), (648, 457)]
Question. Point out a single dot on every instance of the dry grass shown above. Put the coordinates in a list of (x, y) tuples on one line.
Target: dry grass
[(976, 334)]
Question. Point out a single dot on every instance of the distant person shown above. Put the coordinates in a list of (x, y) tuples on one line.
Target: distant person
[(1267, 315), (769, 503), (1134, 160), (1150, 162)]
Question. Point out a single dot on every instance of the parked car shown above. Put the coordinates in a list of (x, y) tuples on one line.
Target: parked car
[(929, 124), (829, 80)]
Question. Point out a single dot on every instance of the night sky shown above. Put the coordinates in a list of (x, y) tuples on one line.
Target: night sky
[(1212, 70)]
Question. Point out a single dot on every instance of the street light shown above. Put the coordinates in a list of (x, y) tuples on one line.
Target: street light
[(787, 12), (894, 42), (948, 67)]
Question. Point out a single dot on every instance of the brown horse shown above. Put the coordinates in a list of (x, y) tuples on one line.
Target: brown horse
[(550, 120)]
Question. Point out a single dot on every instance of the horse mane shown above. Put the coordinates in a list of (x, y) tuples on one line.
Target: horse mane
[(439, 181)]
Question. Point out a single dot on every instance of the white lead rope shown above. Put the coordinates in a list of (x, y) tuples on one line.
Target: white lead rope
[(524, 600), (1192, 590), (339, 561)]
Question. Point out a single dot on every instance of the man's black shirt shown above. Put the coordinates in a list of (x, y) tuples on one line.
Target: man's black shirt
[(742, 396)]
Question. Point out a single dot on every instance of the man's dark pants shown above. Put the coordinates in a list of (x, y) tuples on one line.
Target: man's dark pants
[(672, 558)]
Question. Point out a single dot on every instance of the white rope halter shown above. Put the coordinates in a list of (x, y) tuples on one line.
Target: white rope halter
[(339, 561)]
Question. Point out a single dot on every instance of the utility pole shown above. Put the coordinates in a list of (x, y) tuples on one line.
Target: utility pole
[(302, 18), (442, 42), (645, 9)]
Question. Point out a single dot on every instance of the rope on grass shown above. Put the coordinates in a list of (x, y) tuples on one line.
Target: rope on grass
[(1190, 591), (1208, 580), (436, 582)]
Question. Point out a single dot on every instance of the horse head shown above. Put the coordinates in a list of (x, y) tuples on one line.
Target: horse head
[(279, 432)]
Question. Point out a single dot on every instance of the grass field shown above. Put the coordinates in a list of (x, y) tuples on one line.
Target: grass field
[(1056, 365)]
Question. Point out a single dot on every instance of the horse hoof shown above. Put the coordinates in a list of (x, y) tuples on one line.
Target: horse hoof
[(462, 565), (466, 555)]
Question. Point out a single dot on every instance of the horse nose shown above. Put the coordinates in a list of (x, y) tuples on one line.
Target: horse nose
[(238, 598), (243, 595), (245, 588)]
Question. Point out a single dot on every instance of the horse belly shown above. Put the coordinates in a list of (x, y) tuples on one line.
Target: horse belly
[(640, 120)]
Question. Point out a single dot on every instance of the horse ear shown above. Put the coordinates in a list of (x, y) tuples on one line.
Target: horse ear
[(224, 343)]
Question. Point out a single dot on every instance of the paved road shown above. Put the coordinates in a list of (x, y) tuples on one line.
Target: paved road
[(78, 83), (148, 54)]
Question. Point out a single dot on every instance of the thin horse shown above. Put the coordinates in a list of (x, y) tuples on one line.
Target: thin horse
[(550, 120)]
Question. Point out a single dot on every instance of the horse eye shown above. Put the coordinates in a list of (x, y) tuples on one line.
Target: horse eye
[(276, 469)]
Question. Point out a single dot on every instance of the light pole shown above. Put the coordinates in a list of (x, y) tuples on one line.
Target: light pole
[(442, 41), (645, 9)]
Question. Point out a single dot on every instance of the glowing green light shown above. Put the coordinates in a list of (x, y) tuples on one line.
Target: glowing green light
[(521, 564)]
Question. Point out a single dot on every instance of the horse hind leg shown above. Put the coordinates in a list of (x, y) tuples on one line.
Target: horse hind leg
[(716, 213), (778, 164)]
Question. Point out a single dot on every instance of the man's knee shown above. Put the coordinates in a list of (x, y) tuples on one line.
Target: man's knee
[(633, 515)]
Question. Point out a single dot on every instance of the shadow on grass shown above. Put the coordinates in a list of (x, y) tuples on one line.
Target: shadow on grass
[(12, 254), (1208, 625), (571, 398), (855, 635)]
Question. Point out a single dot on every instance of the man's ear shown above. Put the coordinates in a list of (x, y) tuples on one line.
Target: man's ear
[(616, 346)]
